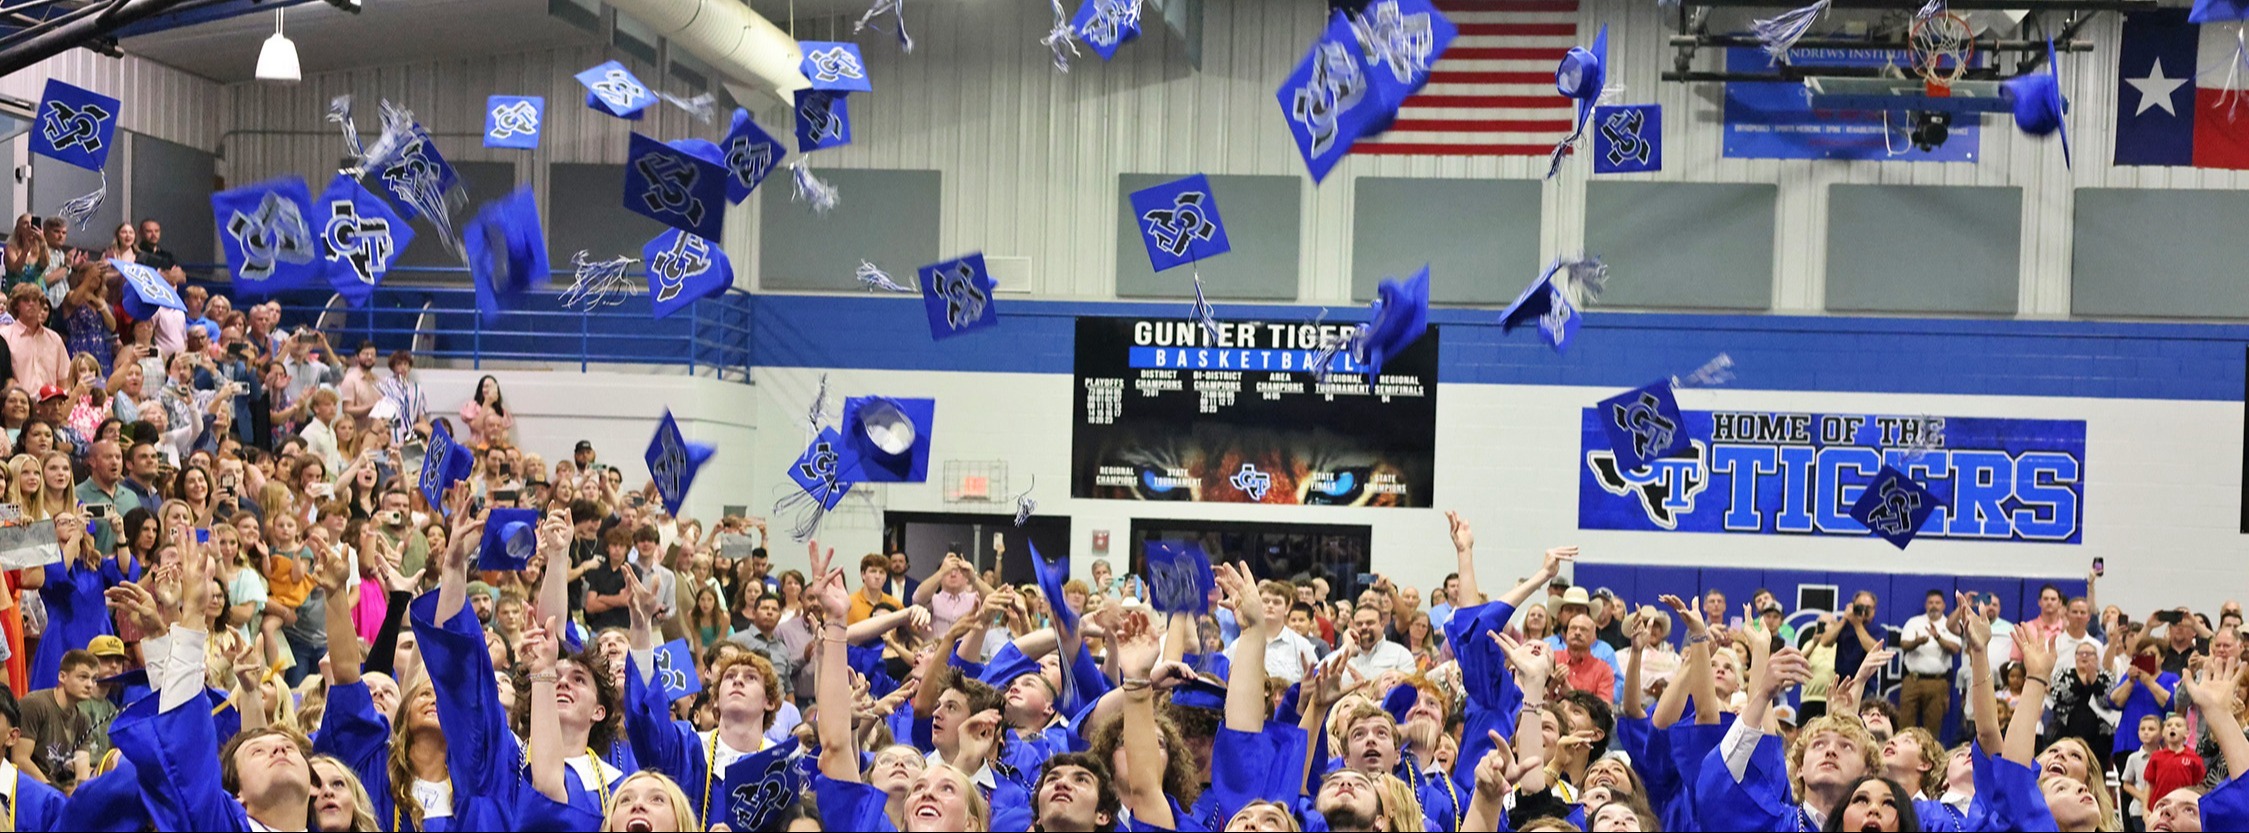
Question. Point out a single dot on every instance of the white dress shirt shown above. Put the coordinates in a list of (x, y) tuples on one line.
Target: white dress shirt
[(1931, 658)]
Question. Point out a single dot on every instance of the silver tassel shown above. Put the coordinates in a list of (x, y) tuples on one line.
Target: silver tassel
[(703, 107), (80, 211), (877, 280), (597, 283), (810, 190), (1061, 37), (897, 10)]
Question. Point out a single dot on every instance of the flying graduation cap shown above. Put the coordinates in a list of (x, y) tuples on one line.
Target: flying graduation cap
[(1894, 507), (834, 66), (886, 440), (1179, 577), (759, 787), (613, 89), (681, 185), (682, 269), (823, 120), (1549, 300), (76, 125), (506, 251), (511, 537), (360, 238), (513, 121), (2039, 107), (1643, 424), (1326, 101), (1580, 77), (145, 290), (749, 155), (957, 296), (1106, 25), (444, 463), (1401, 316), (1179, 222), (673, 462), (266, 230)]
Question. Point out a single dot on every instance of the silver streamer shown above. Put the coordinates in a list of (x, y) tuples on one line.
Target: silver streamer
[(80, 211), (1713, 373), (598, 283), (897, 10), (1061, 37), (876, 280), (1024, 505), (811, 190), (703, 107)]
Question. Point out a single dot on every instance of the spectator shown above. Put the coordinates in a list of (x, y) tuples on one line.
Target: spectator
[(1713, 608), (57, 739), (2184, 638), (359, 388), (36, 354), (1762, 599), (26, 256), (101, 709), (1854, 635), (1370, 654), (763, 636), (141, 473), (319, 432), (955, 592), (581, 455), (487, 410), (2077, 616), (1927, 645), (2132, 776), (104, 486), (1608, 612), (1300, 620), (310, 363), (1288, 655), (410, 407), (1441, 602), (2146, 689), (150, 252), (2175, 765), (124, 244), (900, 583), (1576, 664), (607, 600), (1574, 602), (86, 314)]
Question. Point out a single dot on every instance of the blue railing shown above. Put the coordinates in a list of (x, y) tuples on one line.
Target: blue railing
[(711, 335)]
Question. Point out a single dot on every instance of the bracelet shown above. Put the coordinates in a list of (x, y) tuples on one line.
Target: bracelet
[(548, 677), (2047, 683), (1698, 639)]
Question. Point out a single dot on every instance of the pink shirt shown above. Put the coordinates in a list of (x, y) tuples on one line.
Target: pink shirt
[(945, 608), (367, 618), (40, 357), (1589, 674), (171, 331)]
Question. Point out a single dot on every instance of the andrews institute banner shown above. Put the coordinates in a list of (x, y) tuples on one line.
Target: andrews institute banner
[(1775, 119), (1785, 473)]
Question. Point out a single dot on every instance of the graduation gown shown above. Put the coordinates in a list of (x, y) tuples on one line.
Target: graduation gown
[(76, 612)]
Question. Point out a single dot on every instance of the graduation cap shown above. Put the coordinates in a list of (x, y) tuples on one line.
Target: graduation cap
[(680, 186), (673, 462), (613, 89), (1326, 100), (749, 155), (1399, 701), (360, 238), (513, 121), (1643, 425), (834, 66), (267, 232), (2039, 107), (1400, 41), (675, 670), (1548, 299), (684, 268), (1199, 693), (1052, 575), (816, 470), (1580, 77), (418, 179), (1894, 507), (444, 463), (1107, 24), (76, 125), (957, 294), (886, 440), (506, 251), (1628, 139), (1179, 222), (1008, 666), (511, 537), (2217, 11), (1401, 315), (145, 290), (759, 787), (823, 120), (1179, 577)]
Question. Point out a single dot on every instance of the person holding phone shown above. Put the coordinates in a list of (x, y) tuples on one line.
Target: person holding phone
[(1854, 635)]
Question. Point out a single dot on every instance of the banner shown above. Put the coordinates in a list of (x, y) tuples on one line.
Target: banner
[(1784, 473), (1775, 119), (1163, 414)]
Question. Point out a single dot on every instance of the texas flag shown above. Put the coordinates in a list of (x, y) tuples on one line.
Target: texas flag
[(2165, 114)]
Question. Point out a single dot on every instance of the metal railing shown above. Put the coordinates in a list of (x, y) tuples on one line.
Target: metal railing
[(432, 310)]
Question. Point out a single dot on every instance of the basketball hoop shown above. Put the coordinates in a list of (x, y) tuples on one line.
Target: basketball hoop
[(1936, 38)]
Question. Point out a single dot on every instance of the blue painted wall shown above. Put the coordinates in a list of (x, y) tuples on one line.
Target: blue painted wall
[(1825, 353)]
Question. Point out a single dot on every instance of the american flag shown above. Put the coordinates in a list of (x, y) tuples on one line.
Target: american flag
[(1492, 94)]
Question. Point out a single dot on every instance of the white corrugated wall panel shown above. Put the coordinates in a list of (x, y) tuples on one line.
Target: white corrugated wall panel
[(159, 101)]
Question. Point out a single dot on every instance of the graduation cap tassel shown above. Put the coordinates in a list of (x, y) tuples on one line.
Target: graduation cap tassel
[(818, 413), (2233, 93), (703, 107), (1588, 276), (897, 10), (1779, 34), (339, 113), (809, 189), (80, 211), (1061, 37), (877, 280), (1204, 313), (1024, 505), (597, 283), (398, 132), (1713, 373), (802, 512), (1930, 9)]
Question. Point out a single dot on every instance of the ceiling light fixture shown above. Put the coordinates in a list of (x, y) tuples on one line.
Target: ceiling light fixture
[(278, 60)]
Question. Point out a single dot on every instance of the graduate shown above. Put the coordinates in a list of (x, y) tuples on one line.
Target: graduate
[(644, 801), (31, 805), (339, 800), (748, 695), (73, 594)]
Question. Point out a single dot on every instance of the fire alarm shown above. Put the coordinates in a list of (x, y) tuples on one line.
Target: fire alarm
[(1101, 540)]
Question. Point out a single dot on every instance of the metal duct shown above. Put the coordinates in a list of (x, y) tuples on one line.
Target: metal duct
[(736, 42)]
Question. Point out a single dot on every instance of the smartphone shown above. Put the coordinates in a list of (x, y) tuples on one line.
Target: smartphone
[(394, 517), (508, 496), (1367, 579), (2100, 566), (2168, 617), (97, 511), (1862, 610), (1733, 622)]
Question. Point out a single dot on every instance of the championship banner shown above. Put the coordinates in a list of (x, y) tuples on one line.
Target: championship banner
[(1775, 119), (1164, 414), (1784, 473)]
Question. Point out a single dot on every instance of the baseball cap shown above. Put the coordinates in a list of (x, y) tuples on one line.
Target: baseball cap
[(585, 445), (47, 392), (106, 646)]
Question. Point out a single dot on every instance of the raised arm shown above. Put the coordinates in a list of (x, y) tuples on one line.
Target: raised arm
[(873, 627), (545, 743), (1141, 784), (2210, 689), (453, 581), (333, 574), (839, 752), (1983, 701), (2021, 742), (1633, 708), (1464, 560), (1245, 691), (1547, 570)]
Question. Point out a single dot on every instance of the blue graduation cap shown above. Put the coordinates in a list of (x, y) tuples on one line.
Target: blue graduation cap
[(1199, 693), (444, 463), (1399, 701), (2217, 11), (418, 178), (76, 125), (506, 251), (1894, 507), (1643, 425), (682, 269), (1628, 139), (957, 295), (673, 462), (1179, 577), (1052, 575), (1179, 222), (1107, 24), (675, 670), (834, 67), (818, 470), (145, 290), (750, 155), (886, 440), (1580, 77), (2039, 107), (613, 89), (1401, 316), (823, 120), (759, 787), (513, 121), (360, 238), (266, 230), (1326, 100), (1400, 41), (1548, 300), (676, 186), (511, 537)]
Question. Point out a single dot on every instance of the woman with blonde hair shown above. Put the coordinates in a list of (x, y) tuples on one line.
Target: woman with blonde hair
[(57, 495), (17, 581), (339, 800), (26, 255), (123, 243), (649, 801)]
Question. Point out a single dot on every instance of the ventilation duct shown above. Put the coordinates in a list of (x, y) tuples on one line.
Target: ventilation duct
[(738, 43)]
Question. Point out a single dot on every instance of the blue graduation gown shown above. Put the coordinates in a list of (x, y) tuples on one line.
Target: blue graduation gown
[(850, 805), (2009, 794), (37, 806), (2227, 807), (109, 803), (76, 613), (1760, 801), (174, 756), (671, 747), (482, 756), (1493, 696), (353, 733), (1250, 766)]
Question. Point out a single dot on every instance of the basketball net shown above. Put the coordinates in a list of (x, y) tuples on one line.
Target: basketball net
[(1942, 44)]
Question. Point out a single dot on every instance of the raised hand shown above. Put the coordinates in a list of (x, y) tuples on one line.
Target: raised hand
[(2211, 687), (1237, 587), (1137, 643), (554, 532), (1785, 669), (1555, 558), (2038, 655), (539, 647), (332, 571), (1687, 613), (1491, 772), (1533, 664), (834, 599), (135, 604), (978, 736), (917, 617), (1463, 536), (640, 595), (1167, 675)]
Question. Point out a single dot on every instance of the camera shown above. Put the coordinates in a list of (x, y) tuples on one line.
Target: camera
[(1928, 129), (1862, 610), (394, 518)]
